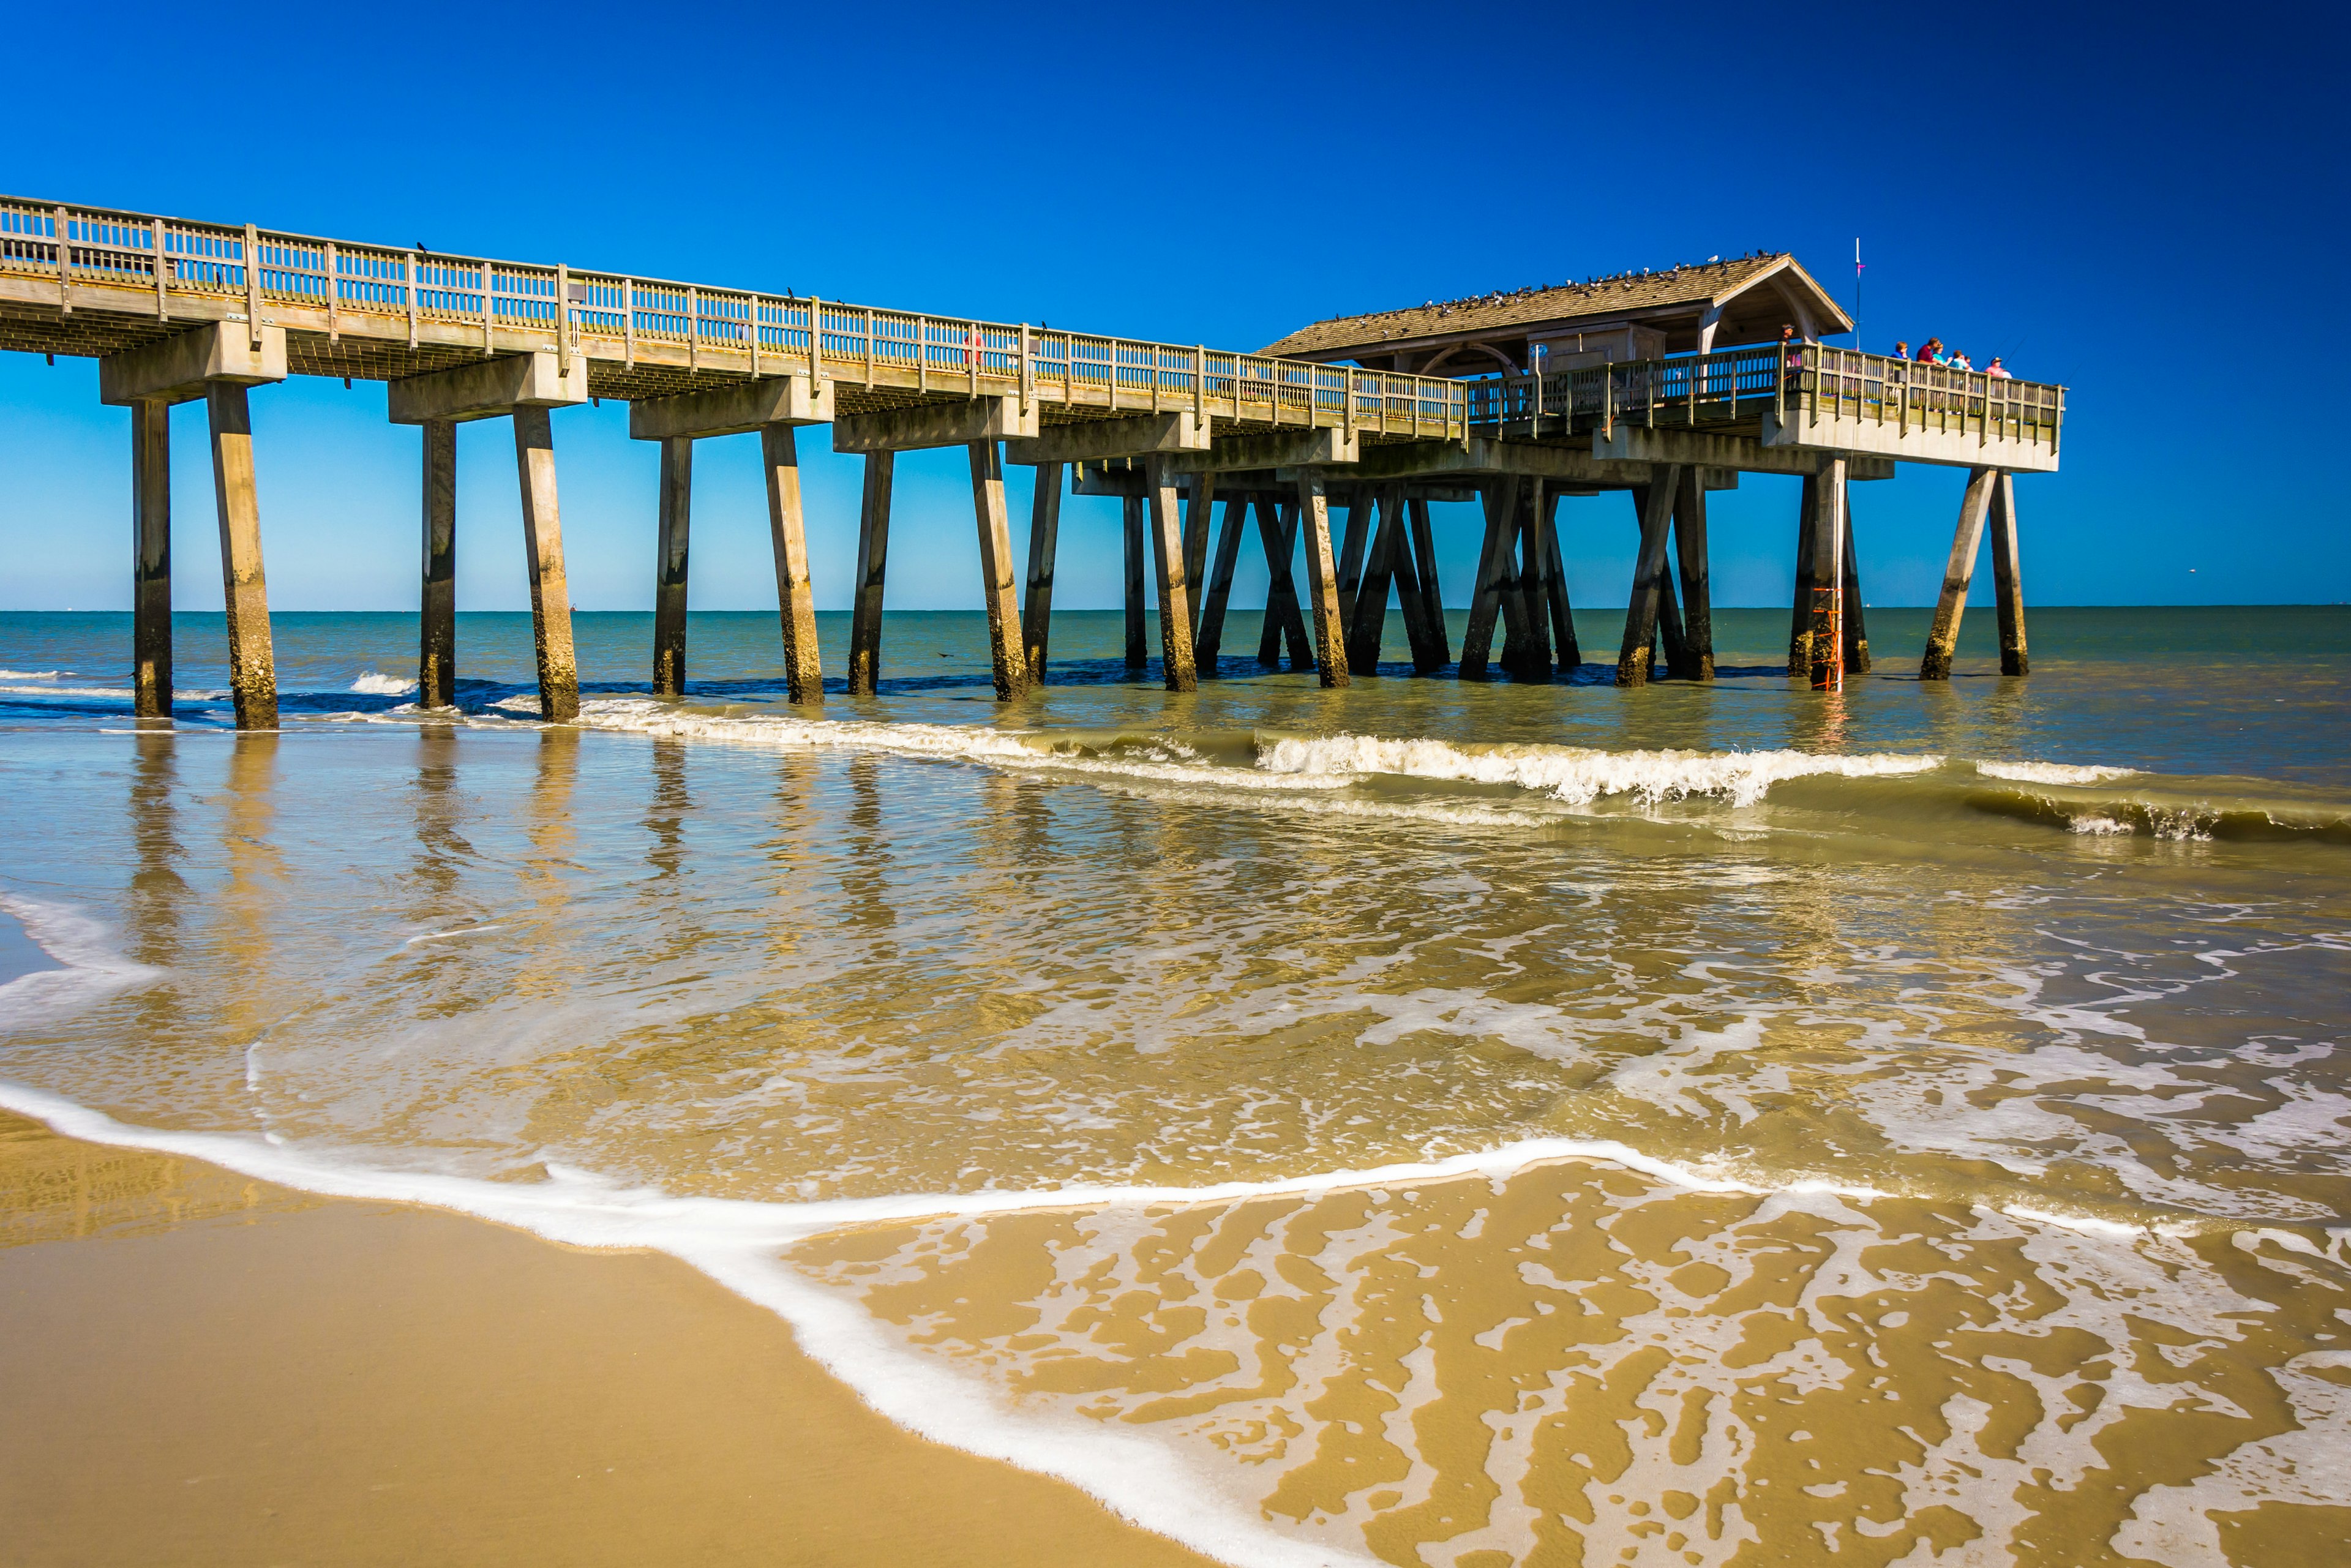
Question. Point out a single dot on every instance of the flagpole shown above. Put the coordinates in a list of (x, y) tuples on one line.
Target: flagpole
[(1857, 291)]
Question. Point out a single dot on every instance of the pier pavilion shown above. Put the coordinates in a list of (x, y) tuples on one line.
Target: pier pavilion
[(1667, 393)]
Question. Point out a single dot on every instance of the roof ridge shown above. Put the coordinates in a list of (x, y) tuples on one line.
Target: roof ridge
[(1589, 286)]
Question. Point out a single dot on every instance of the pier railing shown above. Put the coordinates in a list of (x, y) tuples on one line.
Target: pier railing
[(1798, 383), (391, 292)]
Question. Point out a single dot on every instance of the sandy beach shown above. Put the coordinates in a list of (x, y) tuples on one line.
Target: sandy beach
[(202, 1369)]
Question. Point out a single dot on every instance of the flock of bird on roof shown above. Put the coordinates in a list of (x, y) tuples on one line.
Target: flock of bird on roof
[(1498, 295)]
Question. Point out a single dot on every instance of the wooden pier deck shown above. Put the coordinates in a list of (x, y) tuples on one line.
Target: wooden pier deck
[(178, 311)]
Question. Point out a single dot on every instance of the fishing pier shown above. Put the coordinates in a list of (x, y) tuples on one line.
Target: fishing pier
[(1663, 386)]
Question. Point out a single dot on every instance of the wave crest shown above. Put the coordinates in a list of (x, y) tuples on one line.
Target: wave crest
[(1579, 775)]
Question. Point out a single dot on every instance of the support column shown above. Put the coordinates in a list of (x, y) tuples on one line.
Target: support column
[(670, 566), (1322, 580), (1944, 636), (1220, 584), (1354, 541), (1501, 499), (1633, 660), (1277, 529), (550, 595), (795, 592), (1003, 595), (1132, 546), (872, 559), (1828, 580), (2007, 578), (1432, 598), (1044, 545), (1367, 627), (1856, 632), (1167, 554), (1800, 621), (1199, 515), (252, 669), (151, 558), (1698, 600), (1563, 614), (436, 659), (1533, 585)]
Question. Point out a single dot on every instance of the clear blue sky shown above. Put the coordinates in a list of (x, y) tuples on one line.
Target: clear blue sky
[(2146, 203)]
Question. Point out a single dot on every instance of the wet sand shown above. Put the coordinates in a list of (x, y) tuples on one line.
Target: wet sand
[(202, 1369)]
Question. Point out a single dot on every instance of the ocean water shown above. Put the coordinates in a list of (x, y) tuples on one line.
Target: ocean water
[(1429, 1122)]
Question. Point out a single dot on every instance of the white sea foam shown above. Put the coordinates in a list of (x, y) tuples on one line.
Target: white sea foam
[(91, 967), (1577, 775), (375, 683), (29, 674), (2052, 772)]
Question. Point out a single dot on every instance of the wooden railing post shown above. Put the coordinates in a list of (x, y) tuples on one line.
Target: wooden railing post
[(65, 266), (816, 340), (252, 276), (162, 272)]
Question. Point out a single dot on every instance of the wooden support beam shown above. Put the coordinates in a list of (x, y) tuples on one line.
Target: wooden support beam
[(872, 565), (1322, 580), (1633, 660), (2007, 578), (1698, 600), (1130, 540), (1044, 545), (1533, 588), (1003, 594), (1800, 623), (1500, 497), (1367, 625), (1828, 580), (1438, 651), (1220, 584), (676, 512), (1277, 529), (252, 668), (1563, 614), (551, 593), (151, 558), (795, 592), (1354, 541), (1943, 637), (436, 653), (1199, 517), (1856, 632), (1168, 554)]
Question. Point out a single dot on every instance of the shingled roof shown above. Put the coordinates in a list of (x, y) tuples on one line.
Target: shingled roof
[(1697, 287)]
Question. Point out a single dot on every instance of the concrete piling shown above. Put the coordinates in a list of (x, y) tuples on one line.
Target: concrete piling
[(1322, 580), (436, 653), (1277, 529), (872, 565), (1220, 584), (795, 592), (1697, 598), (1044, 544), (669, 553), (1554, 606), (1499, 498), (1800, 623), (151, 558), (1130, 544), (2007, 578), (997, 581), (1532, 585), (551, 594), (1634, 659), (1828, 579), (1167, 554), (1199, 514), (252, 669), (1943, 637), (1438, 653), (1856, 630)]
